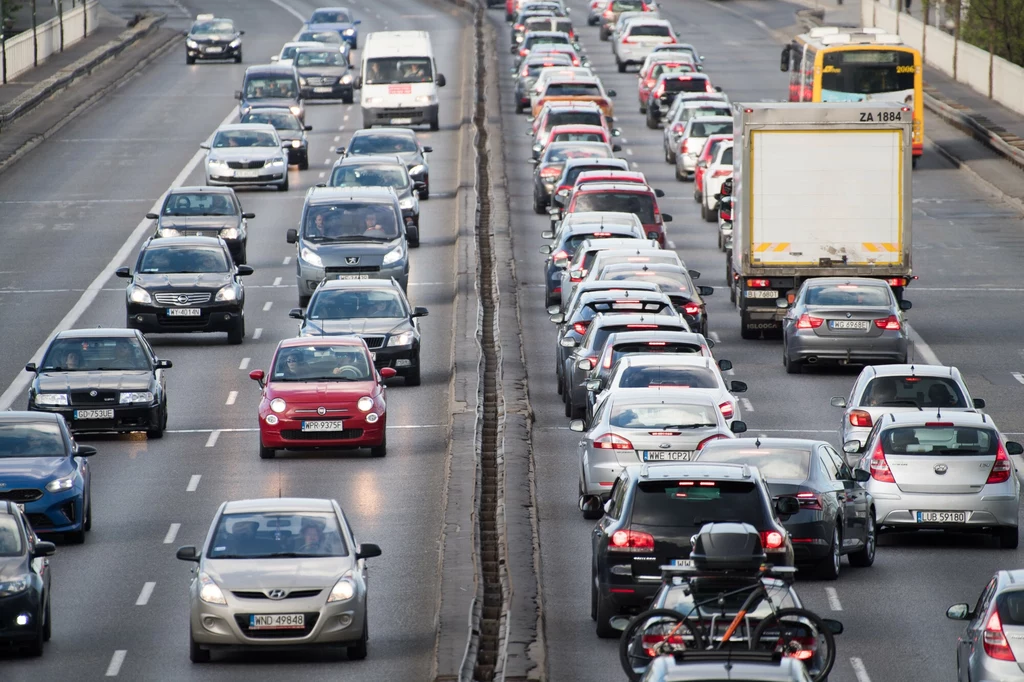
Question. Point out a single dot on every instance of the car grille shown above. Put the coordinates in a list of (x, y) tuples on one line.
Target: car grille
[(374, 341), (294, 594), (104, 398), (190, 299), (321, 80), (39, 521), (242, 619), (296, 434), (245, 164), (352, 271), (21, 495)]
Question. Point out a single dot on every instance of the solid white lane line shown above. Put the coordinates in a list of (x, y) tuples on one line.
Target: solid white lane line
[(244, 364), (267, 306), (921, 349), (115, 662), (747, 405), (859, 670), (232, 397), (147, 592), (193, 483), (172, 533), (290, 10), (277, 280), (21, 381), (1018, 376), (258, 333), (287, 260), (833, 599), (212, 440)]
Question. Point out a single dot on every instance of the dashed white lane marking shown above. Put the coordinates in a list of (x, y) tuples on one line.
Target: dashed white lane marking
[(859, 670), (287, 260), (747, 406), (761, 24), (116, 661), (277, 280), (345, 118), (172, 533), (833, 599), (244, 364), (327, 162), (193, 483), (232, 397), (212, 440), (629, 152), (147, 592), (267, 306), (341, 127), (1018, 376), (323, 174), (258, 333), (337, 138)]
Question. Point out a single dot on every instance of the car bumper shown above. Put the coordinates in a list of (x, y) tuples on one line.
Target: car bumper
[(633, 55), (287, 434), (332, 92), (811, 536), (687, 161), (268, 178), (226, 52), (600, 472), (27, 603), (127, 418), (57, 512), (889, 347), (631, 596), (216, 625), (297, 154), (400, 115), (401, 358), (216, 318), (988, 509), (309, 277)]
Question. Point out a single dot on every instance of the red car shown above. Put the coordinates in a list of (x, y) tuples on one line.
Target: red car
[(639, 200), (323, 393), (610, 175), (703, 159)]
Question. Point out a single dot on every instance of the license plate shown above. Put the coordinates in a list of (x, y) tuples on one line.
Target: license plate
[(848, 324), (942, 517), (325, 88), (246, 173), (687, 563), (278, 621), (667, 455), (94, 414), (353, 277), (334, 425), (183, 312), (215, 49), (373, 355), (760, 293), (401, 121)]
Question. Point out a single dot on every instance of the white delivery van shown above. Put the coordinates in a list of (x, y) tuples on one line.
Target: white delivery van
[(399, 80)]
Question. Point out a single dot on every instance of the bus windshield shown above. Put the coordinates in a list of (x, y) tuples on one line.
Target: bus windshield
[(866, 72)]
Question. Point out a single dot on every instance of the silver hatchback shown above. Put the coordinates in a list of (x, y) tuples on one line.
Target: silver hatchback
[(992, 646), (279, 572)]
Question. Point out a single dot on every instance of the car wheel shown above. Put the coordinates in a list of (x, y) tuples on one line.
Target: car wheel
[(196, 653), (190, 60), (721, 245), (382, 449), (47, 626), (711, 215), (792, 366), (283, 187), (1008, 537), (621, 66), (593, 596), (605, 612), (538, 205), (158, 432), (303, 301), (865, 556), (519, 107), (76, 537), (651, 123), (829, 567), (643, 109), (679, 176), (88, 513), (567, 394), (703, 211), (425, 194), (357, 651), (236, 335), (413, 376), (414, 237), (266, 453), (35, 648), (238, 57), (304, 163)]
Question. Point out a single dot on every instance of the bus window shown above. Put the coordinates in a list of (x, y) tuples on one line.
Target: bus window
[(867, 72)]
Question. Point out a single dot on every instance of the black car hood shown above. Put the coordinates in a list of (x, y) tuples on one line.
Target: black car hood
[(114, 380), (363, 326), (198, 222), (187, 280), (289, 135)]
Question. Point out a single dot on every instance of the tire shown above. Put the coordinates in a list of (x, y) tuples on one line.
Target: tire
[(782, 615), (304, 164), (829, 567), (703, 210), (590, 516), (414, 238), (538, 206), (643, 109), (603, 35), (47, 624), (679, 176), (913, 162), (711, 214), (1008, 538), (651, 122), (425, 194), (190, 60), (158, 432), (357, 651), (35, 648), (671, 620), (721, 244), (508, 16), (238, 58), (865, 556), (196, 653), (435, 125), (382, 449), (76, 537), (303, 301), (267, 453), (413, 377), (569, 409), (283, 187), (792, 366), (519, 107), (236, 335), (604, 612), (621, 66), (88, 514)]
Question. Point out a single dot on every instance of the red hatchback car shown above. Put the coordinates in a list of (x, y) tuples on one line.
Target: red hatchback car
[(640, 200), (322, 393)]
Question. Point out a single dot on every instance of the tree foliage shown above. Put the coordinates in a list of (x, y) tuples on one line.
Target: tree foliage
[(996, 25)]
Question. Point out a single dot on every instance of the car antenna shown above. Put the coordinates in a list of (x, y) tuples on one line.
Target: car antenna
[(938, 413), (757, 442)]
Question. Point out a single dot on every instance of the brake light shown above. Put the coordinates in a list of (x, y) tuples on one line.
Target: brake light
[(575, 60), (612, 441), (879, 467), (631, 541), (726, 409), (678, 128), (608, 12), (772, 539), (708, 86), (809, 501), (708, 440), (896, 281), (653, 644), (808, 322), (684, 148), (523, 51), (550, 172), (1002, 469), (691, 309), (518, 27), (649, 83), (641, 326), (559, 254), (861, 419), (994, 640), (628, 39), (580, 327), (607, 364), (601, 234), (656, 343), (660, 90), (721, 173), (891, 323), (758, 283)]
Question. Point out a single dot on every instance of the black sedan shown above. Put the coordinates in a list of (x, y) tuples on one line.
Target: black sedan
[(213, 38), (836, 514), (399, 141), (203, 211), (376, 310), (324, 73), (102, 380), (24, 582), (289, 128)]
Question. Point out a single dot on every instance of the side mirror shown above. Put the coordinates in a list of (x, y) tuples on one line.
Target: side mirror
[(420, 311), (388, 372), (838, 401), (659, 193), (619, 623), (959, 612), (834, 626), (188, 553), (577, 425), (257, 375), (238, 94), (852, 447), (737, 387), (248, 216), (738, 427), (85, 451), (586, 364), (546, 249), (296, 314), (710, 342), (554, 309), (30, 367), (781, 303), (787, 506), (357, 22), (441, 80), (420, 187), (557, 318), (567, 342), (547, 234), (718, 196), (244, 270), (554, 211), (533, 162), (694, 274), (308, 129), (979, 403), (275, 58), (861, 476), (291, 236), (152, 216), (725, 365), (616, 147), (666, 217), (718, 88), (704, 290), (427, 150), (612, 93), (593, 384), (124, 273), (43, 548), (1014, 448), (704, 164), (616, 132), (164, 364), (906, 305), (530, 119), (241, 33)]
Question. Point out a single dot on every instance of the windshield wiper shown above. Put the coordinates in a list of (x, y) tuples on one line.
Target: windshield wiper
[(699, 521), (898, 403), (684, 426)]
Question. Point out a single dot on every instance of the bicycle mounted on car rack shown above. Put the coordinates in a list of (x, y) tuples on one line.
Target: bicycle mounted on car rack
[(728, 562)]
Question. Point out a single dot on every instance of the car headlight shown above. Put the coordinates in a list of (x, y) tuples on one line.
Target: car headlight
[(408, 202), (365, 404), (230, 233), (302, 81), (347, 78), (52, 399), (343, 590), (278, 405), (226, 293), (217, 162), (209, 592), (296, 144), (295, 110), (136, 397), (418, 169), (277, 162), (403, 339), (59, 484), (394, 255), (310, 256), (236, 43), (15, 585), (349, 31), (191, 43), (139, 295), (425, 99), (373, 100), (168, 232)]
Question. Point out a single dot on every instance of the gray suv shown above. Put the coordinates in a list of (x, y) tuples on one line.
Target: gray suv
[(349, 233)]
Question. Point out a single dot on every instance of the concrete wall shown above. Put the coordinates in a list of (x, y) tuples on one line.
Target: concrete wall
[(19, 49)]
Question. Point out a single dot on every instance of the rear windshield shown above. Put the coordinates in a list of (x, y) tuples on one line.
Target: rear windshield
[(706, 128), (686, 85), (1011, 607), (668, 503), (681, 377), (578, 137), (670, 68), (671, 284), (773, 463), (912, 391), (546, 40), (587, 118), (634, 347), (534, 69), (846, 295), (574, 172), (627, 5), (598, 336), (704, 112), (573, 89), (560, 154), (367, 175), (622, 306), (649, 30), (641, 205), (939, 440), (662, 417)]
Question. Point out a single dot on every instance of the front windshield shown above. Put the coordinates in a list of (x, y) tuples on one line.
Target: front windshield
[(320, 58), (211, 27), (367, 175), (280, 120), (679, 377), (95, 354), (382, 143), (650, 30), (244, 138), (272, 87), (325, 16), (398, 70), (351, 221), (199, 203), (662, 417), (339, 304), (573, 89), (851, 75), (34, 439), (843, 295), (10, 536), (272, 535), (322, 363), (640, 205), (182, 259)]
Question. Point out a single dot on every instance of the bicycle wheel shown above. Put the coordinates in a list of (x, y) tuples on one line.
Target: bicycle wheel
[(653, 633), (800, 634)]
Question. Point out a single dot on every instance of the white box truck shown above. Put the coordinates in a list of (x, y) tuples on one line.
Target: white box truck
[(820, 190)]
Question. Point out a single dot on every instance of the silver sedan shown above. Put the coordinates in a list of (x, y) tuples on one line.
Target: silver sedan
[(246, 154), (280, 572)]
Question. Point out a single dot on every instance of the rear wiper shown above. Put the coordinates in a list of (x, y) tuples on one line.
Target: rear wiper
[(698, 521)]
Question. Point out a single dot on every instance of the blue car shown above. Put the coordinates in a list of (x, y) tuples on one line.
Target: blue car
[(47, 472), (338, 19)]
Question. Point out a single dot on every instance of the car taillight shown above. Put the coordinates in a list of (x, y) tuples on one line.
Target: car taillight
[(612, 441), (708, 86), (758, 283), (655, 644), (994, 640), (726, 409), (518, 27), (891, 323), (721, 173), (809, 501), (575, 61), (772, 539), (608, 12), (691, 309), (860, 418), (628, 39), (709, 439), (1002, 469), (550, 172), (607, 362), (577, 275), (559, 254), (649, 83), (523, 51), (631, 541), (660, 90), (879, 467), (896, 281), (580, 327), (678, 128), (808, 322)]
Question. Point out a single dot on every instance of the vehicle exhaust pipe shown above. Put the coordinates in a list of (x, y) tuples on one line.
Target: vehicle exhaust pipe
[(813, 360)]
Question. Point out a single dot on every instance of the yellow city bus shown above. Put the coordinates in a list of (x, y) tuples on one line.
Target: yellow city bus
[(831, 64)]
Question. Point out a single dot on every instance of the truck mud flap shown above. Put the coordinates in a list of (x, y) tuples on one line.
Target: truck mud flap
[(753, 328)]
